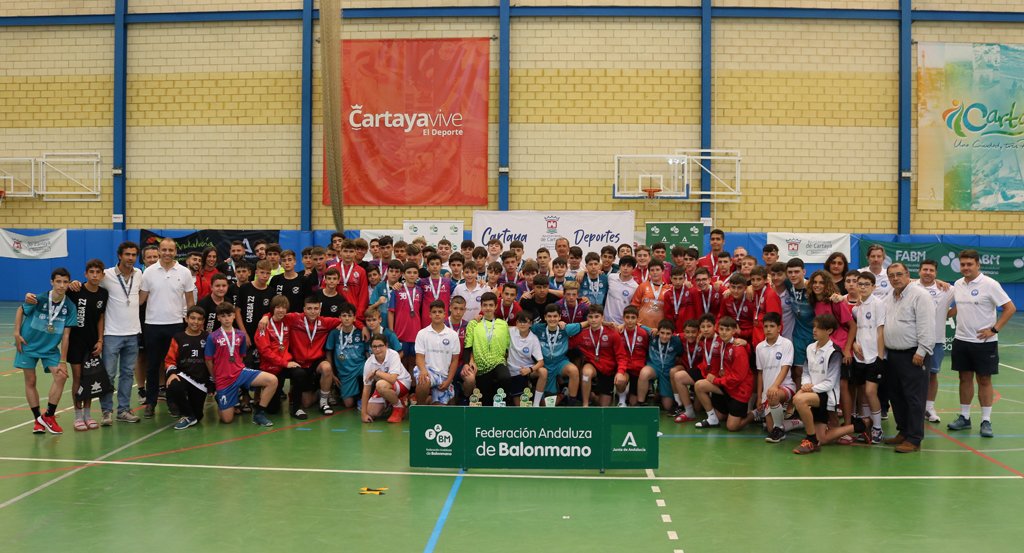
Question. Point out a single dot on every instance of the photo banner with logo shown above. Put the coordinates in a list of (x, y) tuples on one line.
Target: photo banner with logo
[(687, 234), (220, 239), (434, 231), (1005, 265), (970, 126), (414, 122), (810, 247), (41, 246), (533, 438), (590, 230)]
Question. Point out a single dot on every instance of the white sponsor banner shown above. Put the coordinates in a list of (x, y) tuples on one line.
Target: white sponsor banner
[(434, 231), (590, 230), (42, 246), (811, 247)]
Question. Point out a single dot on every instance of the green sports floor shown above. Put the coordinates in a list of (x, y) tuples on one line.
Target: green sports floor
[(296, 488)]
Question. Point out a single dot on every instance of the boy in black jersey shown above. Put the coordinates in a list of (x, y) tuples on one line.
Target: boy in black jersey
[(218, 294), (252, 303), (188, 378), (87, 338), (331, 300), (289, 283)]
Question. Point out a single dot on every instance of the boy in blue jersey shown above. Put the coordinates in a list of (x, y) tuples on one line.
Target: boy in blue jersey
[(375, 325), (661, 363), (557, 280), (41, 334), (348, 355), (381, 294), (554, 346), (593, 282), (798, 298)]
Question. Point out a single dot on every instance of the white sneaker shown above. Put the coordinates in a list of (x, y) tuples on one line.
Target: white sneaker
[(932, 416)]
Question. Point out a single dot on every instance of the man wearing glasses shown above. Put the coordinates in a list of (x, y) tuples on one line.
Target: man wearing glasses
[(909, 336)]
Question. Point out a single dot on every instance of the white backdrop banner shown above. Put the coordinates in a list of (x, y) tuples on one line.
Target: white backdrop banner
[(41, 246), (810, 247), (434, 231), (590, 230)]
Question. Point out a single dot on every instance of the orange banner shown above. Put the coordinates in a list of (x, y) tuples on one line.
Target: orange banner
[(414, 122)]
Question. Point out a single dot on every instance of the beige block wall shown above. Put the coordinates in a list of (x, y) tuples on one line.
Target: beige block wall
[(55, 89), (15, 8)]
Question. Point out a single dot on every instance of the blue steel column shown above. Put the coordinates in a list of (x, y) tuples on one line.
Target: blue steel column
[(306, 131), (903, 202), (504, 73), (705, 98), (120, 112)]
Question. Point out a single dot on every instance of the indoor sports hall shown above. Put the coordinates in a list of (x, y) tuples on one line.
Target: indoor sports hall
[(810, 126)]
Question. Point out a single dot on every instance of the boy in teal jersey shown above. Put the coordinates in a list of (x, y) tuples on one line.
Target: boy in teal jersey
[(797, 296), (348, 355), (593, 282), (381, 294), (662, 352), (41, 333), (554, 346)]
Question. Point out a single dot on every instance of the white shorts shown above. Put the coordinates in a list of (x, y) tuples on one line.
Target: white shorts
[(437, 394)]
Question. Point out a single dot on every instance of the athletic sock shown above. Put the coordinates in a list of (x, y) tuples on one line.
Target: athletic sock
[(324, 397), (792, 424), (712, 417), (51, 409), (965, 411), (865, 411), (689, 412), (876, 419), (35, 412), (929, 407), (79, 415), (623, 396), (986, 413), (676, 397), (537, 398), (87, 411), (778, 414)]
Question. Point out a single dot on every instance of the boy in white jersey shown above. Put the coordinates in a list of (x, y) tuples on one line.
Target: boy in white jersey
[(943, 300), (437, 359), (775, 386), (867, 369), (470, 290), (621, 288), (525, 360)]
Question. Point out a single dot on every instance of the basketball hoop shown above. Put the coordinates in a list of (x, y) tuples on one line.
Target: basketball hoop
[(651, 192)]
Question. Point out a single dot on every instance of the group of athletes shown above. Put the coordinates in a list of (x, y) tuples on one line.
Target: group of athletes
[(377, 325)]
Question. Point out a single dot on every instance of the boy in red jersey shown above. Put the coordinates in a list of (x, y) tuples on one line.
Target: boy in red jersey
[(707, 298), (636, 340), (353, 284), (765, 301), (434, 288), (736, 306), (717, 241), (404, 312), (679, 299), (604, 354), (225, 349), (272, 343), (727, 387), (508, 307)]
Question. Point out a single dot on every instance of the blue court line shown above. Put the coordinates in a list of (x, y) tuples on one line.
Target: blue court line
[(339, 430), (443, 517), (302, 428), (374, 430)]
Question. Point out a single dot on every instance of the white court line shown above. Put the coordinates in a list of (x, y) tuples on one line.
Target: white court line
[(650, 473), (655, 489), (49, 483), (666, 518), (659, 502), (672, 535), (19, 425), (1011, 367)]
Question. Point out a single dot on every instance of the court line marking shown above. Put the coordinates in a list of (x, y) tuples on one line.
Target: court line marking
[(19, 425), (15, 408), (522, 476), (97, 460), (650, 473), (1010, 449), (443, 517), (1011, 367), (976, 452)]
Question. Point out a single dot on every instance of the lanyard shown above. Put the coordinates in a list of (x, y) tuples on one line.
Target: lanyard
[(489, 330), (657, 292), (501, 307), (346, 341), (575, 308), (708, 350), (597, 343), (279, 334), (51, 311), (739, 310), (690, 356), (594, 285), (345, 276), (409, 298), (310, 332), (721, 359), (636, 336), (644, 274), (127, 289), (448, 323), (759, 303), (552, 341), (662, 351), (435, 292), (231, 342), (707, 301), (677, 299)]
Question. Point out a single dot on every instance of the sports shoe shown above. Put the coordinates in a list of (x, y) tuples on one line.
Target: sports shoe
[(846, 440), (885, 414), (326, 408), (107, 419), (932, 416), (125, 416), (300, 414), (38, 428), (683, 417), (807, 447), (162, 392), (775, 436), (185, 422), (49, 423), (877, 436), (907, 447), (397, 414), (150, 411), (961, 423), (986, 429), (676, 412), (707, 424), (260, 419)]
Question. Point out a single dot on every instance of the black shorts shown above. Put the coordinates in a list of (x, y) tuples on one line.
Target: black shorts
[(79, 350), (695, 374), (867, 372), (634, 381), (846, 371), (313, 365), (515, 387), (726, 404), (604, 384), (981, 358), (821, 411)]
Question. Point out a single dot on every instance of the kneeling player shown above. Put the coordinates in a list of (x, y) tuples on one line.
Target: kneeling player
[(775, 385), (526, 360), (188, 378), (661, 364), (384, 374), (349, 356), (554, 335), (437, 359), (727, 387), (225, 349)]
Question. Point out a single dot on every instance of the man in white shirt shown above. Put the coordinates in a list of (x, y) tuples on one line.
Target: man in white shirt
[(975, 352), (166, 290), (876, 264), (942, 298), (621, 287), (121, 330), (437, 358)]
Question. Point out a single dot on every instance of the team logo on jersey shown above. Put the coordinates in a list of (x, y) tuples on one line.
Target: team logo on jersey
[(604, 338), (933, 293), (974, 292), (526, 350), (867, 315), (625, 293), (295, 289), (446, 341), (884, 284), (778, 356), (821, 360)]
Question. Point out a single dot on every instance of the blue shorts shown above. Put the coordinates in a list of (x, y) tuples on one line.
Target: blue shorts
[(554, 371), (350, 383), (409, 348), (664, 382), (441, 396), (938, 354), (800, 353), (228, 397), (28, 361)]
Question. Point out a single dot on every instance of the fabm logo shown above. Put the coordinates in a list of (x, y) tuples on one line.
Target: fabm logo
[(438, 434), (979, 119), (440, 123)]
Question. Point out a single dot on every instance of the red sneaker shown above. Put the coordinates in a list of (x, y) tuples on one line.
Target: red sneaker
[(38, 428), (49, 422), (397, 414)]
